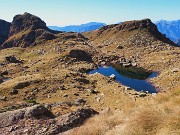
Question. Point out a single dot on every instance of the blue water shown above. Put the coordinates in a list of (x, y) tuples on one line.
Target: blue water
[(136, 84)]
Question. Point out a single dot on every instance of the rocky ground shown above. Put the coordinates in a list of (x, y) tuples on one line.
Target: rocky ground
[(40, 66)]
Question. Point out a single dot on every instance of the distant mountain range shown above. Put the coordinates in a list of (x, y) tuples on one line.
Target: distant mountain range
[(170, 28), (79, 28)]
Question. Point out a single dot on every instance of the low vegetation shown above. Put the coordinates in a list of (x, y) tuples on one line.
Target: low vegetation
[(158, 116)]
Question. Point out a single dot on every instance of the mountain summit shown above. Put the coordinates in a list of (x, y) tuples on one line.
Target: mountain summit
[(26, 21), (26, 30)]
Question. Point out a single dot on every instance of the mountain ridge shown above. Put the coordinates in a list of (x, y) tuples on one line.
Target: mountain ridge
[(164, 26), (109, 31)]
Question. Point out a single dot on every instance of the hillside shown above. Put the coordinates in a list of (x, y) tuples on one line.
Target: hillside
[(46, 87)]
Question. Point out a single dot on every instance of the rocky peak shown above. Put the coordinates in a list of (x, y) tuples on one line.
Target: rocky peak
[(137, 25), (26, 21), (4, 30)]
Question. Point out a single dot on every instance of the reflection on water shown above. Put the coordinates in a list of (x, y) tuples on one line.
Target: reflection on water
[(130, 77)]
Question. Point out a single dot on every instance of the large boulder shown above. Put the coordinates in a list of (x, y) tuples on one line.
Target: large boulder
[(71, 120), (37, 111), (12, 117), (80, 55)]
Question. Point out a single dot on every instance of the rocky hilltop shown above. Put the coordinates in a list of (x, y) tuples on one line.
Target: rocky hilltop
[(24, 22), (46, 88), (118, 29), (27, 30)]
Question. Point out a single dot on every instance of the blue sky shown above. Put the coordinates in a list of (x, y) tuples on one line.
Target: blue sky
[(66, 12)]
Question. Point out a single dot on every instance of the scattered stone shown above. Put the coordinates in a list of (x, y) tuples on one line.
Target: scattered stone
[(134, 64), (103, 63), (26, 67), (4, 73), (126, 64), (62, 87), (76, 94), (127, 88), (49, 96), (65, 95), (142, 95), (3, 98), (175, 70), (105, 110), (1, 80), (12, 59), (13, 92), (80, 101), (13, 128), (154, 94), (98, 99), (112, 76), (92, 91), (44, 129), (21, 85), (119, 47)]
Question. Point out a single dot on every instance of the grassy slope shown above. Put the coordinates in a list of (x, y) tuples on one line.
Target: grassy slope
[(158, 116)]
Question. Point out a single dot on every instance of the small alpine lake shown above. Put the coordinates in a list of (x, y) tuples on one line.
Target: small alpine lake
[(133, 77)]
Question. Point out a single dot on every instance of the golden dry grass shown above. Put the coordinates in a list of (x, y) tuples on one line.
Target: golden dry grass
[(159, 116)]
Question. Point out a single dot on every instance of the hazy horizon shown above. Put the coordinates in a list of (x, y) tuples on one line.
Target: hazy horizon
[(68, 12)]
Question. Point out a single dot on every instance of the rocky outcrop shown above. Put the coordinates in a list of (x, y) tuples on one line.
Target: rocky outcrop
[(71, 120), (11, 117), (80, 55), (4, 30), (43, 121), (24, 22), (144, 24)]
